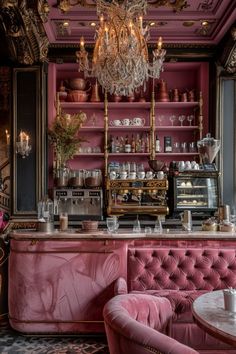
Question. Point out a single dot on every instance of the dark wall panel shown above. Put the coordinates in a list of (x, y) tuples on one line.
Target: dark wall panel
[(26, 121)]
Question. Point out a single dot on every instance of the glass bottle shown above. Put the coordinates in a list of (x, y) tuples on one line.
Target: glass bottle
[(117, 145), (127, 144), (133, 145), (157, 144), (147, 143)]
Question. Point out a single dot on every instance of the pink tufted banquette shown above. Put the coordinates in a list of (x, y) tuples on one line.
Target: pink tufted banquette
[(181, 275)]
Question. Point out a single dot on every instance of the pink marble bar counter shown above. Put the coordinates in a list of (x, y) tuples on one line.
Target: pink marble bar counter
[(60, 282), (122, 234)]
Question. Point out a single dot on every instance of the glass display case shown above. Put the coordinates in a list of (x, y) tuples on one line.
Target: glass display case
[(197, 191)]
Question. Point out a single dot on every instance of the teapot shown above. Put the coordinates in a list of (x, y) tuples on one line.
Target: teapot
[(79, 83)]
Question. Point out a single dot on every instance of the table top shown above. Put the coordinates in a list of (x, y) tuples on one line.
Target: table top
[(209, 313), (123, 234)]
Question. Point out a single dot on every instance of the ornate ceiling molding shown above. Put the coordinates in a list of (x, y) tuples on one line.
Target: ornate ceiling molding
[(176, 5), (24, 31), (228, 56)]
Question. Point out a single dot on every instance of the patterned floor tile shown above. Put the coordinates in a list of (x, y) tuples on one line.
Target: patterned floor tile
[(12, 342)]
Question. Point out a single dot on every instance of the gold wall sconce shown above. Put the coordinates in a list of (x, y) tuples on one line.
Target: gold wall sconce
[(22, 146)]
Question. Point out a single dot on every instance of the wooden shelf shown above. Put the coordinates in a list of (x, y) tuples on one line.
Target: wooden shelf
[(89, 154), (113, 154), (176, 127), (129, 127), (131, 105), (91, 128)]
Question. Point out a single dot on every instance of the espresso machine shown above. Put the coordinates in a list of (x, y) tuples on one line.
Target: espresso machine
[(79, 204)]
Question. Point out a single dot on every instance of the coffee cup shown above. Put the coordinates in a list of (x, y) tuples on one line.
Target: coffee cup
[(123, 175), (116, 122), (160, 175), (126, 121), (132, 175), (141, 174), (138, 121), (149, 174), (112, 175)]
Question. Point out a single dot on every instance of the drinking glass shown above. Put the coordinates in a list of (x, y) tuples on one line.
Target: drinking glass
[(182, 119), (111, 224), (160, 118), (173, 119), (137, 226), (190, 119), (158, 226)]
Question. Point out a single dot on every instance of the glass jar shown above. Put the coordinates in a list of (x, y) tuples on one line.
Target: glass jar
[(45, 210)]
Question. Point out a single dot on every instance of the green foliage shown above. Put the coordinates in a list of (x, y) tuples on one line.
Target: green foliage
[(63, 135)]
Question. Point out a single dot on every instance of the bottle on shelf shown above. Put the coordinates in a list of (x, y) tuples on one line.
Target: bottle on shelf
[(127, 144), (112, 144), (133, 144), (157, 144), (147, 143), (117, 145), (138, 143), (167, 144), (143, 143)]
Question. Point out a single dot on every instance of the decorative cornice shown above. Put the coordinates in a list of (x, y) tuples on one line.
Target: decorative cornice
[(231, 64), (24, 32), (227, 52)]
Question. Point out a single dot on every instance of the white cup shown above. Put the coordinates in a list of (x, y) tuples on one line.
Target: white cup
[(149, 174), (126, 121), (138, 121), (123, 175), (116, 122), (160, 175), (141, 174), (112, 175), (132, 175)]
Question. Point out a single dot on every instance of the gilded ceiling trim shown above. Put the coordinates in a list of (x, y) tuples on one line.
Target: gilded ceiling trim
[(24, 32), (176, 5)]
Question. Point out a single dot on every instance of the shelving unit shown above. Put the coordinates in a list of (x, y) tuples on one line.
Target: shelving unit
[(184, 76)]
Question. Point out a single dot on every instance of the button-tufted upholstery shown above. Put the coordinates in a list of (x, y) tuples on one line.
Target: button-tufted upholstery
[(181, 275), (181, 269), (137, 324)]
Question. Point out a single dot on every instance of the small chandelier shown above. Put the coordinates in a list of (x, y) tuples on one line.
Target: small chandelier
[(120, 58)]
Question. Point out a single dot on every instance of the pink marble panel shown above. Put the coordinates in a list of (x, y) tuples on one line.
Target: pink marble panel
[(61, 286)]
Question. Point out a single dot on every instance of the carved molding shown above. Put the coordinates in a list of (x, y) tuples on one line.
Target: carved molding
[(231, 64), (176, 5), (24, 31)]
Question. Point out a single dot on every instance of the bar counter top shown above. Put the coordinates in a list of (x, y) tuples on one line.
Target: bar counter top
[(74, 234)]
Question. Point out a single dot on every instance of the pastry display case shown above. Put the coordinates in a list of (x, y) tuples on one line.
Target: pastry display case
[(197, 191)]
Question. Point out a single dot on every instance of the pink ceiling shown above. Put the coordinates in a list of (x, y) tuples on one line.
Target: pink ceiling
[(181, 27)]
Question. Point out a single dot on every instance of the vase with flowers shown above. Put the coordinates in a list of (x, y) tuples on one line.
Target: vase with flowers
[(63, 135)]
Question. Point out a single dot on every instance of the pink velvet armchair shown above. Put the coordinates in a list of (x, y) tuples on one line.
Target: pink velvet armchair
[(139, 324)]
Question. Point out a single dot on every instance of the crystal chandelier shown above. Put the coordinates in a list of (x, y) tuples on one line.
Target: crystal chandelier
[(120, 58)]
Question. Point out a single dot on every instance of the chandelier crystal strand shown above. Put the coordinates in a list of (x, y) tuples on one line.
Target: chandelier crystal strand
[(120, 58)]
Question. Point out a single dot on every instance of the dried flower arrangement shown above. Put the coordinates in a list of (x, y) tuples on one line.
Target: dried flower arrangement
[(63, 135)]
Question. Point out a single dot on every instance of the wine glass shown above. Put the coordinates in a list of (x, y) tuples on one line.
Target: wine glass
[(137, 226), (190, 118), (182, 119), (173, 119), (160, 118)]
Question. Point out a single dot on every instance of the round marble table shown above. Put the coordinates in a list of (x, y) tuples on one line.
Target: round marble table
[(209, 313)]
